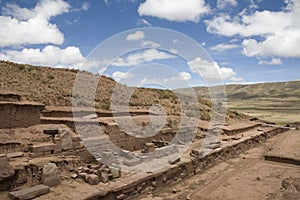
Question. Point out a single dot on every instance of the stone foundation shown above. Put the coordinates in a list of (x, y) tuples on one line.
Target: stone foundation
[(145, 182)]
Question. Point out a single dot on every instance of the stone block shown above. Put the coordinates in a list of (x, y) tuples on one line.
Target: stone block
[(30, 193), (104, 177), (50, 175), (37, 149), (149, 147), (116, 173), (132, 162), (6, 172), (66, 140), (174, 161), (93, 179), (15, 155), (35, 155), (49, 147)]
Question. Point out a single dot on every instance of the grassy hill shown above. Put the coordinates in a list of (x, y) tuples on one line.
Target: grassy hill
[(54, 87), (279, 102)]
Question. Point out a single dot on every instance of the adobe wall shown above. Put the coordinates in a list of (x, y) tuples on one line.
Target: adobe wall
[(19, 114)]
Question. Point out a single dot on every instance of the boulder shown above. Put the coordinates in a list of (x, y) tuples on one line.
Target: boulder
[(93, 179), (50, 175)]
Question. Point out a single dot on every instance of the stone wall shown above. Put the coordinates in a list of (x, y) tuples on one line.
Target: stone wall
[(19, 114), (145, 182)]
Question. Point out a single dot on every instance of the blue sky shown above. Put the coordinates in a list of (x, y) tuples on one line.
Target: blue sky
[(247, 40)]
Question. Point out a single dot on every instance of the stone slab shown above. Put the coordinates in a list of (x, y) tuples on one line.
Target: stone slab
[(30, 193)]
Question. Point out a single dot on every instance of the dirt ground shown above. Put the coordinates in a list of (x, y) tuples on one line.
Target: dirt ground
[(248, 176)]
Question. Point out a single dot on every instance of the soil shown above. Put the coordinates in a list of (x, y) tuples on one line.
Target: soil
[(248, 176)]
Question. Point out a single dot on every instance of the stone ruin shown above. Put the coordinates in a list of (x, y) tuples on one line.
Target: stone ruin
[(41, 147)]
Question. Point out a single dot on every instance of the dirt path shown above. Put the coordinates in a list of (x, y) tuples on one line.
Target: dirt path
[(248, 176)]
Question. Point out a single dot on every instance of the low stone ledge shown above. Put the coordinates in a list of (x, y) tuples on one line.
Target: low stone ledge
[(30, 193)]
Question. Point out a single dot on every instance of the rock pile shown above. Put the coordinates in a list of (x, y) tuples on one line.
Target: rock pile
[(93, 174)]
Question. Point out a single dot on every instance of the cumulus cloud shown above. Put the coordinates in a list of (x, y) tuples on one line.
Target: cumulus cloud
[(121, 75), (274, 61), (221, 4), (139, 35), (69, 57), (142, 57), (211, 70), (174, 10), (21, 26), (224, 47), (279, 30)]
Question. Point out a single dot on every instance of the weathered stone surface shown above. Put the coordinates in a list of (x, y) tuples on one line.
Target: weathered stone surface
[(116, 173), (174, 161), (15, 154), (6, 170), (197, 153), (132, 162), (104, 177), (41, 148), (93, 179), (121, 196), (108, 158), (66, 140), (50, 175), (34, 155), (30, 193), (6, 173), (149, 147), (83, 176)]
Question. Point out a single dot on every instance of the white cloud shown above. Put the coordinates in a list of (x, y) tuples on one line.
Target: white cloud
[(274, 61), (178, 81), (142, 57), (148, 43), (139, 35), (211, 70), (69, 57), (45, 9), (85, 6), (221, 4), (174, 10), (143, 22), (280, 31), (224, 47), (21, 26), (184, 76), (121, 75)]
